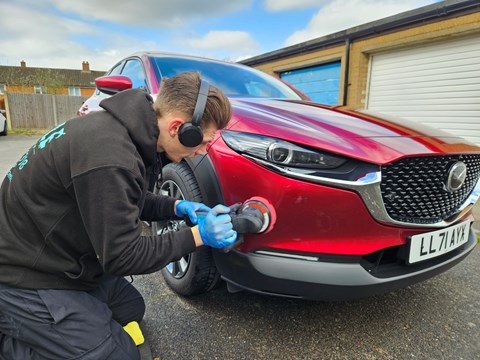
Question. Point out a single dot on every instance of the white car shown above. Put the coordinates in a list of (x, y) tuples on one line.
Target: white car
[(3, 124)]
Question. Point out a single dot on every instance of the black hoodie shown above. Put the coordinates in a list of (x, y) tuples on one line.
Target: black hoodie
[(71, 207)]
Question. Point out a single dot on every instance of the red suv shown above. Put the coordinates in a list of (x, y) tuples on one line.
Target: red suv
[(364, 204)]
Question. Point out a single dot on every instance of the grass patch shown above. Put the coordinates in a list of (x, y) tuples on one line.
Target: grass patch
[(27, 131)]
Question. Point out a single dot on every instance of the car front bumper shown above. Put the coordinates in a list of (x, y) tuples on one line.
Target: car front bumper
[(299, 276)]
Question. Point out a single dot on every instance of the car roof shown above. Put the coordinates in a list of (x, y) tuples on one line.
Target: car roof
[(183, 56)]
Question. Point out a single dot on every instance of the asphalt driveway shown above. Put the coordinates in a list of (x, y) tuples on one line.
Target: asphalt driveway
[(437, 319), (12, 147)]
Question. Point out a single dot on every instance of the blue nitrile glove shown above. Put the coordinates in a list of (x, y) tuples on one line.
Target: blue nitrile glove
[(185, 207), (216, 228)]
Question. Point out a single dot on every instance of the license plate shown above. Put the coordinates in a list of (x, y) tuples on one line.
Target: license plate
[(436, 243)]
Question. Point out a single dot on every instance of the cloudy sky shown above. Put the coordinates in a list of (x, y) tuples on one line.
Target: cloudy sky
[(63, 33)]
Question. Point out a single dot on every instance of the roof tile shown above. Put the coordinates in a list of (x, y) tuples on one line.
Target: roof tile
[(16, 75)]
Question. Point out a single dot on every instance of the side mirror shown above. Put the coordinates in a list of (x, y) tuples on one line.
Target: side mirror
[(111, 85)]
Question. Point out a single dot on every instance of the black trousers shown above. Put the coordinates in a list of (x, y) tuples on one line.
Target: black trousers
[(69, 324)]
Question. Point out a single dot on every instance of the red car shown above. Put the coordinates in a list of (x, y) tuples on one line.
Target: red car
[(364, 204)]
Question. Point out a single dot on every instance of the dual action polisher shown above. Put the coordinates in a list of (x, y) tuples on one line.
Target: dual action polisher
[(254, 216)]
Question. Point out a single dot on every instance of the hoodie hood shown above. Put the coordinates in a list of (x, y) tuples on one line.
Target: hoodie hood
[(127, 107)]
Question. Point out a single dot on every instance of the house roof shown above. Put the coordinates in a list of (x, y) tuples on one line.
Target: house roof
[(29, 76)]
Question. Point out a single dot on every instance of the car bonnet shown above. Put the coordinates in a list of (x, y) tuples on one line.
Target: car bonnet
[(356, 134)]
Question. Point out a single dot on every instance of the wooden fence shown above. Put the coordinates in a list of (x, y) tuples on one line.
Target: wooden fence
[(40, 111)]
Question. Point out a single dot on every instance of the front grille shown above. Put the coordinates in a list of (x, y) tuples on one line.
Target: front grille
[(414, 189)]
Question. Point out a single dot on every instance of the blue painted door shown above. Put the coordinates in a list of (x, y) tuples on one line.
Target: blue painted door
[(320, 83)]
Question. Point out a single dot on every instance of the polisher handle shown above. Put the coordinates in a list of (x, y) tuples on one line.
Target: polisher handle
[(249, 220), (226, 249), (233, 212)]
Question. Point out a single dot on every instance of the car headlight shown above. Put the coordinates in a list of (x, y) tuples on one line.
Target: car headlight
[(280, 152)]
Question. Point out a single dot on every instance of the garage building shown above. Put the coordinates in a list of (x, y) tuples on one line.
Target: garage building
[(422, 65)]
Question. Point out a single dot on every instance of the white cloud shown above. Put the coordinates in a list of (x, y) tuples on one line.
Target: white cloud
[(55, 42), (217, 44), (44, 36), (284, 5), (64, 33), (150, 13), (235, 41), (36, 36), (339, 15)]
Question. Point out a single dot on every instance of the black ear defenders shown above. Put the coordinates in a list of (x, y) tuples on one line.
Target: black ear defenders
[(190, 133)]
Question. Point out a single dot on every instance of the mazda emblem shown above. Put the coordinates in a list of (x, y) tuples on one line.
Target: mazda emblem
[(456, 176)]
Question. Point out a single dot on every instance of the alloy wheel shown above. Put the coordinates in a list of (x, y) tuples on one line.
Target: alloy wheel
[(177, 268)]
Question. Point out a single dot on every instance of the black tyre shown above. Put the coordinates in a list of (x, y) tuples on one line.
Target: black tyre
[(194, 273)]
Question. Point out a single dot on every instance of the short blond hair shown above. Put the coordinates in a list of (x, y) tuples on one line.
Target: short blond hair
[(179, 94)]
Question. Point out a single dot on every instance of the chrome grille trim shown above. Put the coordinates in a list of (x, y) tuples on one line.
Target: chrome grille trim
[(369, 189)]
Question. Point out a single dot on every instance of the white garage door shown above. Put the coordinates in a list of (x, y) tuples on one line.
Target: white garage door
[(437, 84)]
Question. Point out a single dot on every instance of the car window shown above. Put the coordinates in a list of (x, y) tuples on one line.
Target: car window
[(116, 69), (134, 70), (232, 79)]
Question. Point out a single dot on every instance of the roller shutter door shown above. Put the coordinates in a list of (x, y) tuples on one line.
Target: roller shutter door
[(319, 83), (437, 84)]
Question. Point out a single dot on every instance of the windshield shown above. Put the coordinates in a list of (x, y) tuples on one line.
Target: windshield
[(233, 80)]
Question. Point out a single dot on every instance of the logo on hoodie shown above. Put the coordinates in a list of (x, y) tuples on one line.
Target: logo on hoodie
[(54, 134), (57, 132)]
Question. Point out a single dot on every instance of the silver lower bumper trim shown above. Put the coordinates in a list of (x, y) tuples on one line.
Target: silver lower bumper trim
[(277, 265)]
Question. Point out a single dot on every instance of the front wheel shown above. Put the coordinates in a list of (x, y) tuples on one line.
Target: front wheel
[(194, 273)]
